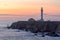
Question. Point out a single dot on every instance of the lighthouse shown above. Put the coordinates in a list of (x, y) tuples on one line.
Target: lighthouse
[(42, 14)]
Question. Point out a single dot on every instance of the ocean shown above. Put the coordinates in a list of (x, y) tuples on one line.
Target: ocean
[(15, 34), (8, 20)]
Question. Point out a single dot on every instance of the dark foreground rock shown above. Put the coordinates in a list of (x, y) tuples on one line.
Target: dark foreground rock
[(53, 34)]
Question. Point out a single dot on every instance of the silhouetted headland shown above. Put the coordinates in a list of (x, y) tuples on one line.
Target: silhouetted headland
[(37, 26)]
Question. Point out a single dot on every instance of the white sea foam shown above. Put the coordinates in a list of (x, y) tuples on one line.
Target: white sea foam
[(13, 34)]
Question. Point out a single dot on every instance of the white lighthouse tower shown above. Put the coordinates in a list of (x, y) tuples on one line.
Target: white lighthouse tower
[(42, 14)]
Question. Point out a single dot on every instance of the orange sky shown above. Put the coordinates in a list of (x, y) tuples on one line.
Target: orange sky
[(29, 7)]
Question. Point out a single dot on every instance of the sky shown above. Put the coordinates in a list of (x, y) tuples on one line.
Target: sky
[(29, 7)]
